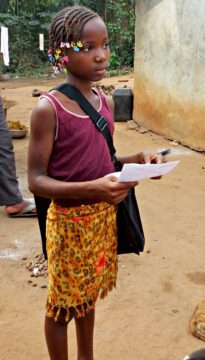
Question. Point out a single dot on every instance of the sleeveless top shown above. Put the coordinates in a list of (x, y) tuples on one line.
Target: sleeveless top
[(80, 152)]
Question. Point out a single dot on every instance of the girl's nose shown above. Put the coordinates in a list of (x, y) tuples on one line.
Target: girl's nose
[(100, 55)]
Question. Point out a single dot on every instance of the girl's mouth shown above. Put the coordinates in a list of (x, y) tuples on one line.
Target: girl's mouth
[(100, 71)]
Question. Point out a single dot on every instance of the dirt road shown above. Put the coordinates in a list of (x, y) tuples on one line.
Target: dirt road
[(147, 316)]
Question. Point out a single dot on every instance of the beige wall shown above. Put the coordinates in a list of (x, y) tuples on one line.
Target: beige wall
[(169, 81)]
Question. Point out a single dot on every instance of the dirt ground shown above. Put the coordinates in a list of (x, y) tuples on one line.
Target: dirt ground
[(147, 316)]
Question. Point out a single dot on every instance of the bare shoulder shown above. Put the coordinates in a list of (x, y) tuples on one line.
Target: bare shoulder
[(43, 119), (43, 108)]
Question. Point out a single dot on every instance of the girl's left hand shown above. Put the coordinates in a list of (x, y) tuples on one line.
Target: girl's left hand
[(150, 158)]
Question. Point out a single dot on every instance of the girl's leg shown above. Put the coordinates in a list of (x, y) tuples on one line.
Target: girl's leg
[(84, 332), (56, 337)]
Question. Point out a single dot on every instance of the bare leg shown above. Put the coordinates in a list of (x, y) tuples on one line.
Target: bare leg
[(56, 337), (84, 332)]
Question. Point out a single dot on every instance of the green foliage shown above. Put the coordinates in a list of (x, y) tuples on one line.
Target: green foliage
[(114, 60), (24, 39), (27, 18), (121, 28)]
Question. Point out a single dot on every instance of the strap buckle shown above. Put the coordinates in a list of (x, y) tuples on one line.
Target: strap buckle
[(101, 123)]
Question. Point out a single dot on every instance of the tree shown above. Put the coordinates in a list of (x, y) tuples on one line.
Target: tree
[(4, 5)]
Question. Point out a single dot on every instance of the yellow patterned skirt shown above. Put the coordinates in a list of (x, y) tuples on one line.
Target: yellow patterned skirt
[(82, 256)]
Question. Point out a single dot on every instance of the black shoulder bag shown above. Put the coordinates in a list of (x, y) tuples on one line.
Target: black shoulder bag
[(130, 231)]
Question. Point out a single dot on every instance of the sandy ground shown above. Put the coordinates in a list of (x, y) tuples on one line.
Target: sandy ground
[(147, 316)]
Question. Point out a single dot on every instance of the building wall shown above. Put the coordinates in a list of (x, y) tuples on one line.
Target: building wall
[(169, 79)]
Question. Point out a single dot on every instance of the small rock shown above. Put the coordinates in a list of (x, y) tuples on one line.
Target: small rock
[(174, 142), (142, 130), (36, 92), (132, 124), (35, 271)]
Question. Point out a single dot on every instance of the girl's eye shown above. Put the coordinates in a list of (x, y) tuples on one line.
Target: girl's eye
[(90, 47), (106, 46), (87, 48)]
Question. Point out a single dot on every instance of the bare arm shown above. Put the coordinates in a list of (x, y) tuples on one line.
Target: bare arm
[(43, 124)]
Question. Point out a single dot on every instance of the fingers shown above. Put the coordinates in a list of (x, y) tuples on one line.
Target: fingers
[(122, 185), (114, 191), (150, 158), (158, 159), (112, 178), (129, 185)]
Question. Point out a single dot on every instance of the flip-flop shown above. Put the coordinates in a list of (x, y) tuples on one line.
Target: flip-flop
[(196, 355), (25, 212)]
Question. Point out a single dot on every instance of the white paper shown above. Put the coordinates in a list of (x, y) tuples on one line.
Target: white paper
[(136, 172), (5, 45), (41, 42)]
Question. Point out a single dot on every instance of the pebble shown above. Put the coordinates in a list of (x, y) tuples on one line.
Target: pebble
[(38, 266), (35, 271)]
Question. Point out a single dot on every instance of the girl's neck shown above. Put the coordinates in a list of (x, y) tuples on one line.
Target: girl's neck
[(84, 86)]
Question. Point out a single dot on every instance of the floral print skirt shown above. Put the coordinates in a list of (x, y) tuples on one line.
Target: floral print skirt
[(82, 257)]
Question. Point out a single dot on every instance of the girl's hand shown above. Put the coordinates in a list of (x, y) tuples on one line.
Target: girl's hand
[(108, 189), (148, 157)]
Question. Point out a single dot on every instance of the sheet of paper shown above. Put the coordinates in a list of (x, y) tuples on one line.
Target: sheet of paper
[(136, 172)]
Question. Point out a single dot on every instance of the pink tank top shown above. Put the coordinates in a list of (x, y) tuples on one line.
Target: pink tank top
[(80, 151)]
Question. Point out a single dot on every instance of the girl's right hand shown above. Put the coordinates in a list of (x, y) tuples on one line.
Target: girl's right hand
[(108, 189)]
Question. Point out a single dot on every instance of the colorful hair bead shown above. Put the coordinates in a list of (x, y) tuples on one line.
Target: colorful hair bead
[(57, 58), (76, 45), (76, 48), (65, 59), (79, 44), (65, 44)]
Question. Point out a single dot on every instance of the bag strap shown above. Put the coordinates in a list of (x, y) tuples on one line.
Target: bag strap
[(100, 122)]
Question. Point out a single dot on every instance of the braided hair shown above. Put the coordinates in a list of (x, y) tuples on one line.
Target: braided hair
[(67, 25)]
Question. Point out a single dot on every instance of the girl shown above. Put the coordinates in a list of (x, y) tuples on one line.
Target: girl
[(68, 161)]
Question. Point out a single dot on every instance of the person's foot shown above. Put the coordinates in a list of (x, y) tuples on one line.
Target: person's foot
[(25, 208)]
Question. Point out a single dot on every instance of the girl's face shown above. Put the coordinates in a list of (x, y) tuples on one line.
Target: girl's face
[(91, 62)]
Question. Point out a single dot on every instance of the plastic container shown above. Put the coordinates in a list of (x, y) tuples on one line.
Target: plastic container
[(123, 100)]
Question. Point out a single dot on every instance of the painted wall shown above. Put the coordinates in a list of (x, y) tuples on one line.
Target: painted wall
[(169, 80)]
